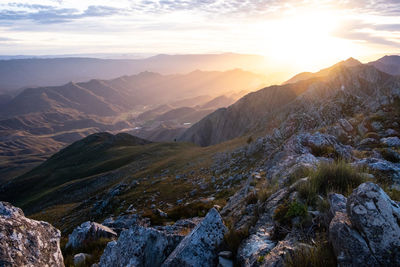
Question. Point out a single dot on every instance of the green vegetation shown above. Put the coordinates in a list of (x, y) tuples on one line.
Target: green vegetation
[(337, 177), (285, 212)]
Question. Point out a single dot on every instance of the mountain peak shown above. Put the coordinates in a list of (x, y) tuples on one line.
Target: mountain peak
[(351, 62)]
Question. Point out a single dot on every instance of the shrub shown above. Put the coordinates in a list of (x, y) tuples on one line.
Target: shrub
[(324, 151), (195, 209), (336, 176), (285, 212), (249, 140), (251, 198), (389, 155)]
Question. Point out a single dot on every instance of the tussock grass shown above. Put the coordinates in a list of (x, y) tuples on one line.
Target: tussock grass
[(319, 255), (337, 177)]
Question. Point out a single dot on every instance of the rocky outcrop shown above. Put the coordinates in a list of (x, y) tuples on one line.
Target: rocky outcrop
[(88, 232), (369, 233), (199, 248), (377, 218), (26, 242), (140, 246)]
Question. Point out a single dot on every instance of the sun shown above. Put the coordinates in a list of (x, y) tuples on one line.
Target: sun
[(305, 39)]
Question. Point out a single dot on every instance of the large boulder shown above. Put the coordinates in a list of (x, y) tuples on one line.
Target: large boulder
[(350, 247), (140, 246), (199, 248), (26, 242), (88, 232), (368, 232), (377, 218)]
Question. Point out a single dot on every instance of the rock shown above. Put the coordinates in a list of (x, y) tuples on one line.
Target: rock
[(225, 254), (376, 126), (368, 142), (349, 247), (223, 262), (377, 218), (89, 231), (346, 125), (337, 203), (140, 246), (391, 132), (383, 167), (362, 130), (161, 213), (391, 141), (199, 248), (81, 258), (124, 222), (276, 257), (26, 242)]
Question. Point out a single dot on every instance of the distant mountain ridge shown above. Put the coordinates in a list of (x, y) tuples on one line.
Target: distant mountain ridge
[(36, 72)]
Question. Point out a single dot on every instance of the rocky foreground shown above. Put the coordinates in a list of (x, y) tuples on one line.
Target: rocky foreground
[(364, 230)]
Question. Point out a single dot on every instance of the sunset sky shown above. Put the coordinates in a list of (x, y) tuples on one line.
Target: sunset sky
[(303, 34)]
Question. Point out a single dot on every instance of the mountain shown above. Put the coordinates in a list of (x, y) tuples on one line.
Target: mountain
[(318, 158), (38, 72), (388, 64), (262, 109), (350, 62), (56, 116)]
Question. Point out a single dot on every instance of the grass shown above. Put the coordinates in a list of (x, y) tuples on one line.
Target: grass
[(285, 212), (319, 255), (233, 238), (324, 151), (336, 176)]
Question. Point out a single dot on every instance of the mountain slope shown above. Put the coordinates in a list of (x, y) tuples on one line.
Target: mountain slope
[(388, 64), (260, 110)]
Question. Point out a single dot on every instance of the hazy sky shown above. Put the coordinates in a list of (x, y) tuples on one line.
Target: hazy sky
[(310, 34)]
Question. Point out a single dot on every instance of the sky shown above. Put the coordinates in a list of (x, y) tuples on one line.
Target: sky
[(305, 34)]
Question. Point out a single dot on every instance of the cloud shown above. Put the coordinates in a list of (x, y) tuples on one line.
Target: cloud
[(368, 32), (48, 14)]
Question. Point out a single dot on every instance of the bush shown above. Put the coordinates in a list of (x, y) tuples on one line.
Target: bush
[(372, 135), (324, 151), (249, 140), (337, 177), (285, 212)]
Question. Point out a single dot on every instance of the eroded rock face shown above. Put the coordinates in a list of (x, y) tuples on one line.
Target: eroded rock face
[(140, 246), (377, 218), (87, 232), (199, 248), (26, 242)]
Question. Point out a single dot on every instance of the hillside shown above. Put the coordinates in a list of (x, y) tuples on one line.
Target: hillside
[(58, 115), (268, 107), (388, 64)]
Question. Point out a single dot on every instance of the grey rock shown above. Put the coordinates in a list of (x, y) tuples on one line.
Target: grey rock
[(224, 262), (376, 126), (391, 141), (377, 218), (383, 167), (368, 141), (199, 248), (81, 258), (337, 203), (124, 222), (26, 242), (140, 247), (346, 125), (391, 132), (225, 254), (349, 246), (89, 231)]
